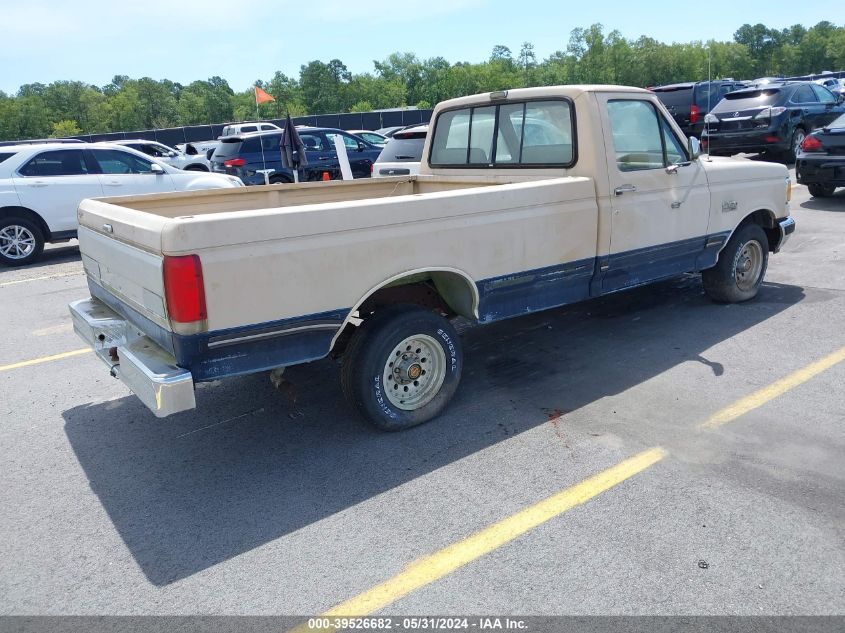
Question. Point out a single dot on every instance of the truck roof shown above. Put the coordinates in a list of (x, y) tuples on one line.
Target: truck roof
[(571, 91)]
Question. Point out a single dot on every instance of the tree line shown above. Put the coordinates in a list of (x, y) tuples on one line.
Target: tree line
[(68, 108)]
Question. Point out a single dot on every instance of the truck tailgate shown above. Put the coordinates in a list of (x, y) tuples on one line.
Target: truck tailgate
[(121, 253)]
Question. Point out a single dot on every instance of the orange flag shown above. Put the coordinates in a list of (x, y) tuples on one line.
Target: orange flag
[(261, 96)]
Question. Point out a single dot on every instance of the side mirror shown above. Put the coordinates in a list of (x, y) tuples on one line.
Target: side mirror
[(361, 147), (156, 169), (694, 148)]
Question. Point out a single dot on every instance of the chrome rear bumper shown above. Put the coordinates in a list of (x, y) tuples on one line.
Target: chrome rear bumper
[(148, 370)]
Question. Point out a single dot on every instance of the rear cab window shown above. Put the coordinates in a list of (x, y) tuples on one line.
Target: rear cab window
[(522, 134), (5, 156)]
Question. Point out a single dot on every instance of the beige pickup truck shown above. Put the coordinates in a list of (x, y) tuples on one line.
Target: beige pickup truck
[(526, 200)]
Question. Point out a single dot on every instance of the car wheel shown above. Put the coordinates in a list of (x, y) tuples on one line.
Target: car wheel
[(280, 180), (741, 267), (196, 168), (818, 190), (21, 241), (402, 367), (798, 136)]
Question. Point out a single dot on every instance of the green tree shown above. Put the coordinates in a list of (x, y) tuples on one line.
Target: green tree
[(65, 128)]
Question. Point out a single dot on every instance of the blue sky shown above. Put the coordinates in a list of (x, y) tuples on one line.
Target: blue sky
[(245, 40)]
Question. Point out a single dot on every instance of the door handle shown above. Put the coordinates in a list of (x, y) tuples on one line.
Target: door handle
[(113, 183), (624, 188), (38, 183)]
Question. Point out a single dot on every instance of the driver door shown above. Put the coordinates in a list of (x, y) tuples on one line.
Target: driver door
[(659, 198)]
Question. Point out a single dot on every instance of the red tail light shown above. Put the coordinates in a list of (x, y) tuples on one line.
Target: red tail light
[(812, 144), (693, 113), (183, 288), (234, 162)]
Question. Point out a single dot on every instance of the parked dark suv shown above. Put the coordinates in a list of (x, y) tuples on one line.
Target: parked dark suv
[(242, 155), (689, 103), (773, 118)]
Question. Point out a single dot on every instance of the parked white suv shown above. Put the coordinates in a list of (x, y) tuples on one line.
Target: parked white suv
[(169, 155), (42, 185), (244, 127)]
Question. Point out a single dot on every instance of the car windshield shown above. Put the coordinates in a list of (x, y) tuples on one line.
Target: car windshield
[(748, 99)]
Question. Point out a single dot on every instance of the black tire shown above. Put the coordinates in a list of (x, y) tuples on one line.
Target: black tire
[(366, 375), (741, 267), (196, 168), (21, 241), (818, 190), (798, 136), (280, 180)]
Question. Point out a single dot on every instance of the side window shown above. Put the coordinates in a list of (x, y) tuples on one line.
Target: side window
[(268, 127), (313, 142), (348, 141), (526, 134), (824, 95), (804, 94), (640, 136), (156, 151), (271, 142), (56, 163), (114, 161), (248, 128)]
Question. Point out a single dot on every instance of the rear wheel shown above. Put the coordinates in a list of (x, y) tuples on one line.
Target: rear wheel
[(280, 180), (742, 264), (402, 367), (821, 191), (798, 136), (21, 241)]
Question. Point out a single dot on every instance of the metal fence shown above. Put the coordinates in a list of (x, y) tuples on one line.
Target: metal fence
[(355, 121)]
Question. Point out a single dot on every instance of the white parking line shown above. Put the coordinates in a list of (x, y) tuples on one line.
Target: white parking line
[(23, 281)]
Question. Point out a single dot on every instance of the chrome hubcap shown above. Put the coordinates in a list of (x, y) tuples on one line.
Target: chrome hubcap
[(16, 242), (799, 138), (749, 264), (414, 372)]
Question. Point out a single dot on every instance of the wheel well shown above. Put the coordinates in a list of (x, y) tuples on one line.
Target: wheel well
[(766, 220), (32, 216), (196, 167), (447, 292), (280, 179)]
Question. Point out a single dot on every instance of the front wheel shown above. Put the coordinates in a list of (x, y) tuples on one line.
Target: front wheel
[(742, 264), (21, 241), (821, 191), (402, 367)]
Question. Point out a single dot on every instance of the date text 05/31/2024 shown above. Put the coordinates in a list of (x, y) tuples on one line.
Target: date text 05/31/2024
[(417, 623)]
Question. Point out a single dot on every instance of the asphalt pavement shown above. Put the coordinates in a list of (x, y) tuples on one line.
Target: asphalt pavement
[(513, 502)]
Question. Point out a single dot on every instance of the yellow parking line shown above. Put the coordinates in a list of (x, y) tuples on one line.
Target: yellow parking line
[(435, 566), (23, 281), (772, 391), (45, 359)]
